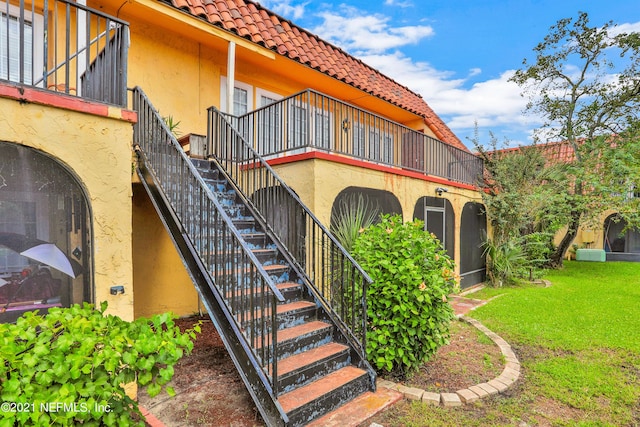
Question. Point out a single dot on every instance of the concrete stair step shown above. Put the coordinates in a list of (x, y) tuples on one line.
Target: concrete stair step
[(307, 366), (300, 360), (323, 395)]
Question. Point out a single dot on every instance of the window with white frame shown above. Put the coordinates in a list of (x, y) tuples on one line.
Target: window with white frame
[(11, 45), (322, 128), (240, 101), (297, 124), (380, 146), (359, 140), (269, 118), (242, 97)]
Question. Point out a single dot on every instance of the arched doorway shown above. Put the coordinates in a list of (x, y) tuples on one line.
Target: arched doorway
[(45, 234), (617, 239), (383, 201), (473, 229), (439, 219)]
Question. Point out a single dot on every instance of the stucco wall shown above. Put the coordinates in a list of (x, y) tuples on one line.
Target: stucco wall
[(96, 149), (180, 77), (161, 280), (318, 182)]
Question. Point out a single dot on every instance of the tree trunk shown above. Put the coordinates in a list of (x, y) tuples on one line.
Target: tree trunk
[(557, 257)]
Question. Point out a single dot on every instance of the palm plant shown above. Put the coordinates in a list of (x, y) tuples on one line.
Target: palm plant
[(354, 214)]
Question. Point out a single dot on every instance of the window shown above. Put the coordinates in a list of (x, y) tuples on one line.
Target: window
[(40, 199), (242, 97), (380, 146), (297, 125), (359, 140), (269, 118), (10, 45), (10, 52), (322, 129), (240, 101)]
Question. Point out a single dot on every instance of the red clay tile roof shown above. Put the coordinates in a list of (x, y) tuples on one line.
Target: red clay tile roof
[(253, 22), (554, 152)]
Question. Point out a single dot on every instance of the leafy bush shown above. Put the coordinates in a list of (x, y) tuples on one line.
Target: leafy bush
[(70, 366), (408, 313), (506, 262), (537, 248), (517, 258)]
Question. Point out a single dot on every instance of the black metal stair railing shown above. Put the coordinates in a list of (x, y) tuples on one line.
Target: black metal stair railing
[(336, 278), (66, 47), (230, 269)]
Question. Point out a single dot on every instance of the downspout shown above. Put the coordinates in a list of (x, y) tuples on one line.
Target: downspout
[(231, 71)]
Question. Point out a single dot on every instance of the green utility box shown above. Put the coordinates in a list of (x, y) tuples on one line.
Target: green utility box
[(596, 255)]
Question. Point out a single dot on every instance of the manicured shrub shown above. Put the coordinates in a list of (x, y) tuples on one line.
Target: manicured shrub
[(70, 366), (408, 312)]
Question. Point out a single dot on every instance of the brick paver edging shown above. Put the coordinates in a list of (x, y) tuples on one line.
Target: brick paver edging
[(508, 378)]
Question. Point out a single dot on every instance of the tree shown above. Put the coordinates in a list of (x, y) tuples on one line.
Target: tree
[(585, 84), (524, 199), (524, 192)]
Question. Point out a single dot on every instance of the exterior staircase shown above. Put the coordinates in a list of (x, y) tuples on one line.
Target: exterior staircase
[(297, 345), (314, 368)]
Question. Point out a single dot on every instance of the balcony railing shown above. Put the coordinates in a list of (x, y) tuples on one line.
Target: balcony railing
[(65, 47), (313, 121)]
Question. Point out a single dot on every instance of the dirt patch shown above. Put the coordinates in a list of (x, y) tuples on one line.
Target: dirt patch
[(470, 358), (211, 393)]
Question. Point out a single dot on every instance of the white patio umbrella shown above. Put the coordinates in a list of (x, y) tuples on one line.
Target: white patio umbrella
[(41, 251), (49, 254)]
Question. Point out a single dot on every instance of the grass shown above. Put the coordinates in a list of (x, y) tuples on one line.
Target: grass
[(579, 345)]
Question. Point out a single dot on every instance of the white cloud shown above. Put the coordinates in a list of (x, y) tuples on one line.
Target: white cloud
[(359, 33), (474, 72), (286, 8), (626, 28), (494, 103), (398, 3)]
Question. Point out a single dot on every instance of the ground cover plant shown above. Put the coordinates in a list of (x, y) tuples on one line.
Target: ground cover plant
[(70, 366), (578, 344)]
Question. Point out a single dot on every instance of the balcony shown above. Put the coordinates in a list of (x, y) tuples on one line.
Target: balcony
[(64, 47), (311, 121)]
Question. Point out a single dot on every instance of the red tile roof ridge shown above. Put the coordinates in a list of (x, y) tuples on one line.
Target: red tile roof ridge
[(301, 45)]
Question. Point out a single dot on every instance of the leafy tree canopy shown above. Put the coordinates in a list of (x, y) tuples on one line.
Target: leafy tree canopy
[(584, 83)]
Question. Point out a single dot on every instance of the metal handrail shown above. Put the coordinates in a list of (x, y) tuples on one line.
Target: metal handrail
[(68, 47), (336, 278), (312, 120), (249, 292)]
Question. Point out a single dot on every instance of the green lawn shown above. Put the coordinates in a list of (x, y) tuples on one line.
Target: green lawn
[(579, 345)]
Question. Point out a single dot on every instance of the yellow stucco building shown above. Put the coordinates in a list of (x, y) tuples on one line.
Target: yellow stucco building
[(184, 65), (87, 164)]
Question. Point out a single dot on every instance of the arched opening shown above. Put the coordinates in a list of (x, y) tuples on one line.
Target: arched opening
[(285, 216), (619, 239), (45, 234), (383, 201), (439, 219), (473, 229)]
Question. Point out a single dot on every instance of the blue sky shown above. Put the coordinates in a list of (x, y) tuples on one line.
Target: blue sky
[(458, 54)]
